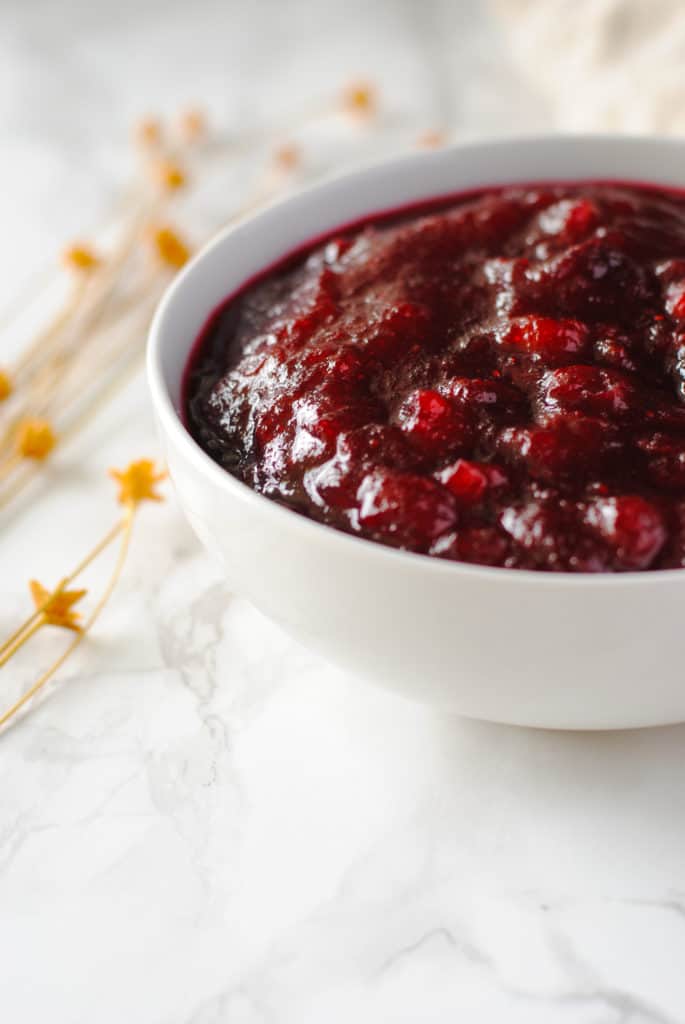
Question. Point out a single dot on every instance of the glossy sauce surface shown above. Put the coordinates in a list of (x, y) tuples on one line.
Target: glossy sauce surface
[(501, 381)]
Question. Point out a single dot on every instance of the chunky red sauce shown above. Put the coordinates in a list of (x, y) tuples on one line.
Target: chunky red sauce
[(501, 381)]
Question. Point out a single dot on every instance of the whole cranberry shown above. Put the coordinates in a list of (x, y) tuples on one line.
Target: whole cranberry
[(388, 336), (574, 446), (632, 526), (333, 483), (570, 220), (493, 397), (589, 390), (340, 364), (320, 416), (478, 545), (405, 509), (663, 456), (433, 424), (537, 527), (374, 445), (547, 337), (377, 444)]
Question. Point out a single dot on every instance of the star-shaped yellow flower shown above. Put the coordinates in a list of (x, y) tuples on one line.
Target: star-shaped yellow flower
[(168, 247), (168, 174), (58, 611), (80, 257), (137, 482), (35, 439), (359, 98)]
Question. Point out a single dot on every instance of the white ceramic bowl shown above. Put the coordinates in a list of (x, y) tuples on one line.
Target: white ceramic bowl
[(561, 651)]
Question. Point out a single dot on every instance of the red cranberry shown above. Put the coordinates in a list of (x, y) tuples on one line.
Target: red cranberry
[(675, 300), (587, 389), (335, 481), (632, 526), (538, 528), (336, 249), (598, 279), (433, 424), (544, 336), (321, 417), (572, 446), (570, 219), (389, 337), (377, 444), (613, 351), (469, 481), (343, 365), (405, 509), (479, 545), (493, 397), (664, 460)]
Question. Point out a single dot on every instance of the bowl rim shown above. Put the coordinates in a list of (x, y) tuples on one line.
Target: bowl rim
[(172, 423)]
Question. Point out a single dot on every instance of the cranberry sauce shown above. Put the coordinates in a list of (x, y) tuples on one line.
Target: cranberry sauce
[(500, 381)]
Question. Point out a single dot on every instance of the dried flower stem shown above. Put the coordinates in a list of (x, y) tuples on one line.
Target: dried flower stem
[(122, 371), (34, 622), (19, 638), (44, 337), (87, 414), (97, 290), (9, 464), (124, 527)]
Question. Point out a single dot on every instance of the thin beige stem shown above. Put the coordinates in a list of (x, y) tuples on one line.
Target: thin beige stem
[(26, 295), (9, 465), (95, 403), (21, 637), (18, 483), (83, 564), (44, 337), (78, 638), (93, 554), (103, 396)]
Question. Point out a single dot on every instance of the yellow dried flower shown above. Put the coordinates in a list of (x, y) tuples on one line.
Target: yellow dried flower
[(359, 98), (35, 439), (5, 386), (80, 257), (168, 174), (148, 131), (169, 248), (137, 482), (58, 610), (287, 156), (431, 139), (192, 125)]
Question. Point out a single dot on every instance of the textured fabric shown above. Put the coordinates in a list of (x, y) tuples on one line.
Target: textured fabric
[(602, 64)]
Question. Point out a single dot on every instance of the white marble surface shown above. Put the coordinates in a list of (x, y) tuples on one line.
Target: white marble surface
[(204, 824)]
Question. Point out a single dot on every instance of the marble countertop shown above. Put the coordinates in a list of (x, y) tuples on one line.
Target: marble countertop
[(202, 823)]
